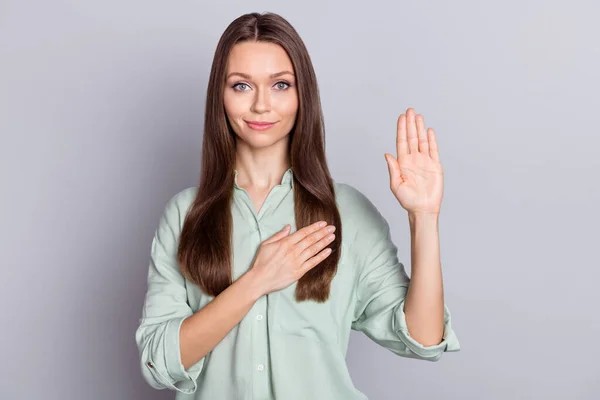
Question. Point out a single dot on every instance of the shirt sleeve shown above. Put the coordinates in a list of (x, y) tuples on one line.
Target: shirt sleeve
[(165, 308), (381, 290)]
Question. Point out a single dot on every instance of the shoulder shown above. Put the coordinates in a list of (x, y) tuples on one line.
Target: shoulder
[(184, 198), (349, 196), (177, 206), (357, 211)]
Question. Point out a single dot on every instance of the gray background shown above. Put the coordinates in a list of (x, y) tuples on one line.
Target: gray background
[(101, 113)]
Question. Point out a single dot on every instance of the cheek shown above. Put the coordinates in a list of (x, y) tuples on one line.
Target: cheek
[(235, 106), (287, 107)]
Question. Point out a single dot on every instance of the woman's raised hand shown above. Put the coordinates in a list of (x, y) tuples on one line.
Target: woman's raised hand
[(283, 258)]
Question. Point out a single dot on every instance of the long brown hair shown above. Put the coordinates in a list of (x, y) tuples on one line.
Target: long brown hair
[(204, 252)]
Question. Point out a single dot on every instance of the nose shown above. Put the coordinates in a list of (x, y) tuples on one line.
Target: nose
[(262, 101)]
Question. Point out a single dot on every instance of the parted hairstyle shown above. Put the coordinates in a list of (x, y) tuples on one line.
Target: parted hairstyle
[(205, 246)]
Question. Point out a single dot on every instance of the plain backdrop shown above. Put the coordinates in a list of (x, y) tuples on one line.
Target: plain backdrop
[(101, 118)]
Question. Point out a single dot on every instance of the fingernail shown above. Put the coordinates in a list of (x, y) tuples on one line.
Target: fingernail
[(322, 224)]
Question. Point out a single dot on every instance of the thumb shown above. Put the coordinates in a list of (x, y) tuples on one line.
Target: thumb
[(279, 235), (393, 168)]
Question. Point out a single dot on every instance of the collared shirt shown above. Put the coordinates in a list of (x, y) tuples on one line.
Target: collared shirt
[(282, 349)]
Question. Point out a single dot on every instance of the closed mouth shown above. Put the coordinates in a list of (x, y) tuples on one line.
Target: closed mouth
[(259, 123)]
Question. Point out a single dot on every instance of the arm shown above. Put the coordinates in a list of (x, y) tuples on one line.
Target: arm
[(381, 294), (424, 305), (201, 332), (416, 179), (171, 339)]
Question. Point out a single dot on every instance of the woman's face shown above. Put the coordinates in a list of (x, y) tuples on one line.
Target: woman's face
[(260, 86)]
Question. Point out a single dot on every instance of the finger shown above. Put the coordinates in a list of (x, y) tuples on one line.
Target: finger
[(314, 237), (411, 129), (319, 245), (279, 235), (433, 146), (401, 139), (422, 135), (314, 261), (394, 169), (307, 230)]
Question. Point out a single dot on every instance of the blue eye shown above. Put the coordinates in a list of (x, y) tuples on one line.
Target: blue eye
[(237, 85), (285, 83), (237, 88)]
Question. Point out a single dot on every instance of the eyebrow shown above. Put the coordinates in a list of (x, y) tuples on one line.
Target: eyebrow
[(246, 76)]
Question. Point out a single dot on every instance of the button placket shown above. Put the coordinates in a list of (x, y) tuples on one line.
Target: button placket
[(260, 350)]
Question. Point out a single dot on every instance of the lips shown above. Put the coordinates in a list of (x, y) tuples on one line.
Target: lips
[(259, 125)]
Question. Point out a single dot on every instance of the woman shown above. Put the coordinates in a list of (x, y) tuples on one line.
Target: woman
[(251, 294)]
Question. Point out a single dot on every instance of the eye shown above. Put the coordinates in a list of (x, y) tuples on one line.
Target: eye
[(282, 83), (237, 85), (241, 87)]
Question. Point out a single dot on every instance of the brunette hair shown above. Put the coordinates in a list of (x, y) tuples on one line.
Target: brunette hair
[(204, 252)]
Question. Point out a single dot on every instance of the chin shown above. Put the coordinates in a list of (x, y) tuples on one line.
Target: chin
[(259, 140)]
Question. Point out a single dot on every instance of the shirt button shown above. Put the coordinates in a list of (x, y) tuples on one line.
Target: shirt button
[(260, 367), (259, 317), (150, 364)]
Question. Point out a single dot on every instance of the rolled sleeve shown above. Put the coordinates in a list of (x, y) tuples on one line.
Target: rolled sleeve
[(165, 309), (449, 339), (381, 291), (173, 355), (161, 361)]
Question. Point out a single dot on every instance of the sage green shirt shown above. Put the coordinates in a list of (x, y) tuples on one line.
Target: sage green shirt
[(281, 349)]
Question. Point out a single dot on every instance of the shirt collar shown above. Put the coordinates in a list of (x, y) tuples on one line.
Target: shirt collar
[(287, 179)]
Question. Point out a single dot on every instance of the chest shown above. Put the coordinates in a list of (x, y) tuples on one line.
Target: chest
[(257, 197)]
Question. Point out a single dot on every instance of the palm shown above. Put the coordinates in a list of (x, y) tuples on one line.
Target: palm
[(416, 175)]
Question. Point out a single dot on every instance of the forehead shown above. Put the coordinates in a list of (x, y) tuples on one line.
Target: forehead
[(259, 59)]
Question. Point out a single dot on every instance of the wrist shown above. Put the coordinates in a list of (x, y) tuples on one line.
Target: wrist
[(252, 284), (423, 222), (423, 216)]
